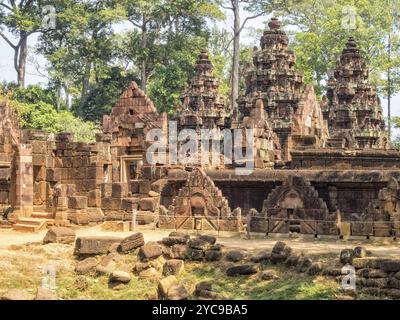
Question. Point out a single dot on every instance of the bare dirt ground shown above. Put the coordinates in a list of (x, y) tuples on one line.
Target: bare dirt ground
[(378, 247)]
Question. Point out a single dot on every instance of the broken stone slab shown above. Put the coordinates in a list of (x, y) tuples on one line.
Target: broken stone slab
[(269, 275), (213, 255), (389, 265), (362, 263), (279, 247), (234, 256), (150, 274), (77, 202), (360, 252), (59, 235), (199, 244), (177, 292), (173, 267), (293, 259), (245, 269), (315, 268), (203, 290), (132, 242), (149, 251), (207, 238), (179, 234), (86, 266), (106, 266), (170, 241), (44, 293), (140, 266), (346, 256), (17, 294), (371, 273), (94, 245), (147, 204), (120, 277), (164, 285), (262, 256), (195, 254), (179, 251), (304, 264)]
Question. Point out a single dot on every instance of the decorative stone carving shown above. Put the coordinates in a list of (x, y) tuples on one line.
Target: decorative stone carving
[(202, 106), (352, 106), (291, 105), (201, 205)]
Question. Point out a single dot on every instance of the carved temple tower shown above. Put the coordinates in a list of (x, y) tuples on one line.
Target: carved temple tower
[(291, 106), (352, 106), (201, 104)]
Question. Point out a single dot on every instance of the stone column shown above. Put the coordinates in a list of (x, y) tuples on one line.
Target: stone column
[(22, 183)]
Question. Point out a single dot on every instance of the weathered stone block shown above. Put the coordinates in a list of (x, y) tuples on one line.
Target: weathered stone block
[(245, 269), (94, 198), (149, 251), (173, 267), (59, 235), (132, 242), (86, 266), (111, 203), (119, 190), (94, 245), (129, 204), (77, 202), (147, 204)]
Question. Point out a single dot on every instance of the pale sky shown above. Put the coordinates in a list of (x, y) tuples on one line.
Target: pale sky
[(8, 73)]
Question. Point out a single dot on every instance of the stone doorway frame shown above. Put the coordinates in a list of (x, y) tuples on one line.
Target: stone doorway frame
[(124, 163)]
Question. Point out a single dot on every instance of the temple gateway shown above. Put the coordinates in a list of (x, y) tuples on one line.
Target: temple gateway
[(320, 168)]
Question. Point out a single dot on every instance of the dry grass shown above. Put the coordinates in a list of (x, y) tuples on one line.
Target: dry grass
[(21, 267)]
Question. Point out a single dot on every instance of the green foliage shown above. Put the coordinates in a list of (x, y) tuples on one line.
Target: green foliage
[(41, 115), (30, 94), (320, 35), (104, 94)]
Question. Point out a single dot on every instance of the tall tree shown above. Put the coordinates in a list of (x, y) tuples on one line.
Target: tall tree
[(82, 46), (19, 20), (236, 7)]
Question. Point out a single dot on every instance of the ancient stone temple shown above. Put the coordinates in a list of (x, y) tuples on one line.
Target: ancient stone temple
[(329, 172), (202, 105), (352, 106), (291, 106)]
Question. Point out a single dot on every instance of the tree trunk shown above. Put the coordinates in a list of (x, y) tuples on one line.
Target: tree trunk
[(389, 87), (85, 85), (21, 54), (144, 64), (235, 64), (58, 97)]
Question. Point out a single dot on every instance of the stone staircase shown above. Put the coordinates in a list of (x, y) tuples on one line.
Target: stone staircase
[(39, 220), (30, 224)]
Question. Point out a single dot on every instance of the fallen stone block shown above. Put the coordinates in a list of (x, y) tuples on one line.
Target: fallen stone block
[(59, 235), (245, 269), (213, 255), (177, 292), (150, 274), (147, 204), (86, 266), (94, 245), (120, 277), (234, 256), (346, 256), (164, 285), (132, 242), (77, 202), (173, 267), (150, 250)]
